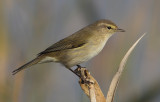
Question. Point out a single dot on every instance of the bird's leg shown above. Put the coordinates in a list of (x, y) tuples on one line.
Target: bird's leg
[(79, 72), (75, 72), (78, 66)]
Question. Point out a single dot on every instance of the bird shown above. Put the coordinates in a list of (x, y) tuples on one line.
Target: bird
[(77, 48)]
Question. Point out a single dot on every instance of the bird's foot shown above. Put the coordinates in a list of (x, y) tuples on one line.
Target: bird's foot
[(74, 72), (77, 70), (78, 66), (83, 74)]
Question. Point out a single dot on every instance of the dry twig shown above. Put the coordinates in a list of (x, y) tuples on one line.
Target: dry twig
[(90, 86), (115, 80)]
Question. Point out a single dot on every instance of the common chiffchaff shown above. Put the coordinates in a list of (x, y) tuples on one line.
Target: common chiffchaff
[(78, 47)]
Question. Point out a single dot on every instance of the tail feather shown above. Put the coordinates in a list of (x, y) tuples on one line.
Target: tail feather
[(34, 61)]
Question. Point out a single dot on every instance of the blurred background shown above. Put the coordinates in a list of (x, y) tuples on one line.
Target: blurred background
[(27, 27)]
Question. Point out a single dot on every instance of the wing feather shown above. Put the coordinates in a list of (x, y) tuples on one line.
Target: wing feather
[(64, 44)]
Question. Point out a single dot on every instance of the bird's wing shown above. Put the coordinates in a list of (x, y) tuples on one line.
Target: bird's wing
[(67, 43)]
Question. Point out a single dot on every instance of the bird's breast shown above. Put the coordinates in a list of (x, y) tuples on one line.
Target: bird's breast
[(97, 45), (84, 53)]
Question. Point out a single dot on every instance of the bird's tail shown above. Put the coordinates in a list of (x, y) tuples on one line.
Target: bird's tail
[(34, 61)]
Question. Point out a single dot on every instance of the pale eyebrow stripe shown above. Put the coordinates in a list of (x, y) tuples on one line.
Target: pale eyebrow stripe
[(112, 26)]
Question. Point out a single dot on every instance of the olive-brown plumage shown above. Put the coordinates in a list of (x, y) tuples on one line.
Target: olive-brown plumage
[(78, 47)]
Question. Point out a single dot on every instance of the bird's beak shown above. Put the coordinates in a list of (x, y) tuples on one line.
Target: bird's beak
[(120, 30)]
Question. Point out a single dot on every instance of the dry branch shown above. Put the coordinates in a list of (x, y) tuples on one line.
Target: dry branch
[(115, 80), (90, 86)]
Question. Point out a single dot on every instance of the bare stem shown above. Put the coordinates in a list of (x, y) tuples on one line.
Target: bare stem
[(115, 80), (90, 86), (92, 93)]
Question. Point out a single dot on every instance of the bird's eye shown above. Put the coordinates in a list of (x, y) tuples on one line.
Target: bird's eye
[(109, 27)]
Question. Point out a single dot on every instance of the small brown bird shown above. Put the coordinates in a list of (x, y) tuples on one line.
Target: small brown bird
[(78, 47)]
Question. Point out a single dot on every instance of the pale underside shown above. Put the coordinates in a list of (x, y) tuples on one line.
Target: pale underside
[(71, 54)]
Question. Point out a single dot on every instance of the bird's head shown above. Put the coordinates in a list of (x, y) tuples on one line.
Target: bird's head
[(107, 26)]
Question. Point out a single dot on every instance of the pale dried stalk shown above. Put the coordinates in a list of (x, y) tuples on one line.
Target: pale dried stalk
[(115, 80), (89, 83), (92, 92), (91, 87)]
